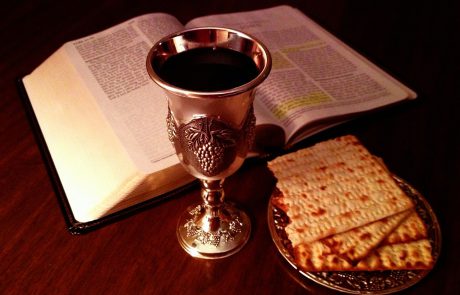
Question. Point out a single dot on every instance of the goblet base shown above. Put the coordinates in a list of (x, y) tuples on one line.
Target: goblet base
[(212, 233)]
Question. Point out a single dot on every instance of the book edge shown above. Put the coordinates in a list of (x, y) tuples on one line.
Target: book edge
[(73, 225)]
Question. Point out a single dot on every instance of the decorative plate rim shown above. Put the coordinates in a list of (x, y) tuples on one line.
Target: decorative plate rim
[(423, 208)]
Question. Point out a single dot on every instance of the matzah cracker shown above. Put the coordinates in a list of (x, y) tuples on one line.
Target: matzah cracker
[(346, 249), (411, 229), (345, 252), (412, 255), (317, 257), (332, 187), (405, 256), (355, 244)]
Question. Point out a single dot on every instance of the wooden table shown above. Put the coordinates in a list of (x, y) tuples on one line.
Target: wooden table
[(419, 141)]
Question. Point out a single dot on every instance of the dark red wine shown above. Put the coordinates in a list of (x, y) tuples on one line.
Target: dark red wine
[(208, 69)]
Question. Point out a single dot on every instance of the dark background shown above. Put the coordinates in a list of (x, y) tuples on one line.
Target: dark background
[(416, 41)]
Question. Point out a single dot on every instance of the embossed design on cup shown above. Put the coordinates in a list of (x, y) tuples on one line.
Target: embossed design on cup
[(210, 145)]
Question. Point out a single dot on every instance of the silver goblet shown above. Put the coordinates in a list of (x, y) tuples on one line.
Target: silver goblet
[(211, 124)]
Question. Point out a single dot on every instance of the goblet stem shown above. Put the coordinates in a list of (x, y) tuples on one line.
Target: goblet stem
[(213, 229), (212, 192)]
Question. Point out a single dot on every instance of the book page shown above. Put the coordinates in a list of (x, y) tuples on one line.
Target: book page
[(314, 75), (112, 66)]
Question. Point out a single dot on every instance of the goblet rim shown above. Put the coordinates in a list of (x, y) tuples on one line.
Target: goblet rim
[(221, 94)]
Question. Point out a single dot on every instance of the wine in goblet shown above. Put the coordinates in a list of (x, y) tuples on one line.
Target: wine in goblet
[(209, 75)]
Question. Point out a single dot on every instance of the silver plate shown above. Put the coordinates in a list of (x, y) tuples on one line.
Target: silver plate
[(361, 282)]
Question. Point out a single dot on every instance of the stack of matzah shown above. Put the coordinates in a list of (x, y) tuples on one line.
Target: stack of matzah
[(346, 212)]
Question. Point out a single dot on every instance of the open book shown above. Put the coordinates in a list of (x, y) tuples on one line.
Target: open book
[(103, 119)]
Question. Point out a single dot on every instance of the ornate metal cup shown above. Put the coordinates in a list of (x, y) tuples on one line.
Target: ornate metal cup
[(211, 132)]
